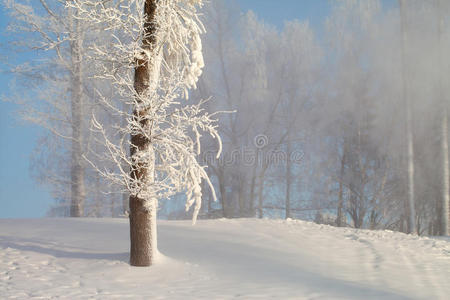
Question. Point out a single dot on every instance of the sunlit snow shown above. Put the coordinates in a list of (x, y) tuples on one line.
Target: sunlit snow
[(219, 259)]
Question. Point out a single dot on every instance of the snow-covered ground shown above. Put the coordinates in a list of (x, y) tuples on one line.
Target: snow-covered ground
[(219, 259)]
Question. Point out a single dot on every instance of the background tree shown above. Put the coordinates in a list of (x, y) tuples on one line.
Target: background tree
[(319, 130), (410, 212), (58, 80), (441, 8)]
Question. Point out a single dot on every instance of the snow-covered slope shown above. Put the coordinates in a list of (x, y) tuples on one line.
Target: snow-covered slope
[(219, 259)]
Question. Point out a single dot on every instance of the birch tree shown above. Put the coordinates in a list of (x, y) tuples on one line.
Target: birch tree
[(227, 80), (153, 61), (445, 178), (57, 79), (410, 204)]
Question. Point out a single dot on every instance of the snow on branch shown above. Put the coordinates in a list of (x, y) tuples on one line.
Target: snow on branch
[(160, 114)]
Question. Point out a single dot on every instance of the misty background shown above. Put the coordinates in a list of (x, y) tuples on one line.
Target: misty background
[(320, 123)]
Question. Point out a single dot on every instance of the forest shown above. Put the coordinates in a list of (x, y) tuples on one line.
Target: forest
[(345, 125)]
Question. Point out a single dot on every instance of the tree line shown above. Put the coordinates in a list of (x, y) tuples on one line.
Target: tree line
[(345, 124)]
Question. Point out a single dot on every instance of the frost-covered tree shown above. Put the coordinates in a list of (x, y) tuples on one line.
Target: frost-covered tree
[(372, 94), (226, 79), (153, 60), (55, 97), (56, 90), (267, 77)]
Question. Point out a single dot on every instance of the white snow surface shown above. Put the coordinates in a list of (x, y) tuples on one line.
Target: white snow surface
[(219, 259)]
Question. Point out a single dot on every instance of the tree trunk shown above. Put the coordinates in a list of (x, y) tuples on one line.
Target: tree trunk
[(444, 207), (252, 192), (98, 199), (288, 180), (260, 195), (241, 198), (113, 207), (340, 215), (209, 206), (143, 229), (223, 196), (143, 211), (410, 203), (445, 174), (77, 191)]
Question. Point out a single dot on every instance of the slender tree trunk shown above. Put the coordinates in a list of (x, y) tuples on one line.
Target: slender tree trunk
[(354, 206), (252, 192), (143, 211), (341, 190), (77, 191), (410, 204), (113, 207), (241, 198), (411, 192), (223, 196), (209, 206), (98, 200), (401, 227), (288, 180), (444, 217), (445, 174), (260, 195)]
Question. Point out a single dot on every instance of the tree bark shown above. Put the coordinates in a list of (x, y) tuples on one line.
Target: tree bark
[(223, 196), (209, 211), (98, 199), (252, 191), (241, 198), (410, 203), (288, 180), (444, 207), (77, 191), (341, 190), (260, 196), (445, 174), (143, 211)]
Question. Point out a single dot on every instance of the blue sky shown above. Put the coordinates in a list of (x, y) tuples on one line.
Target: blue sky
[(19, 196), (276, 12)]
